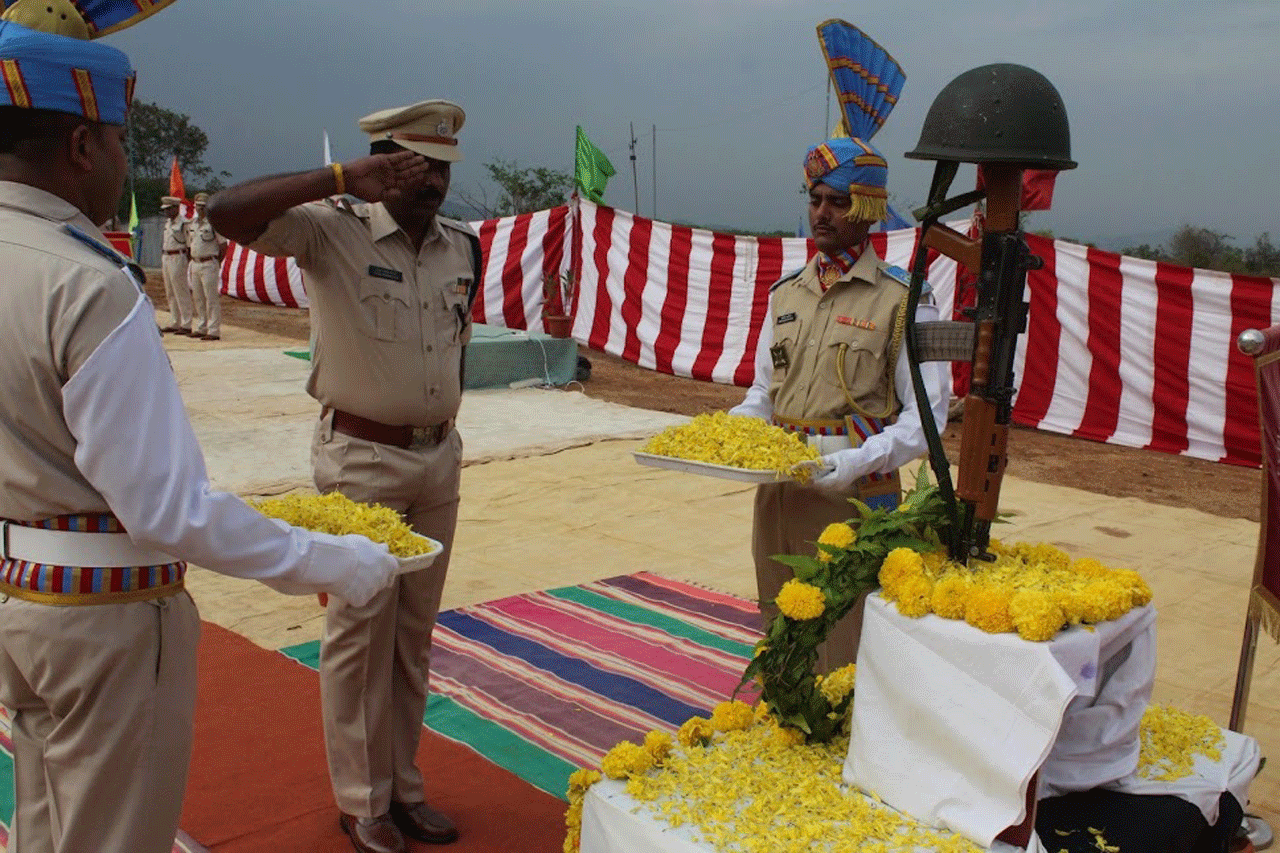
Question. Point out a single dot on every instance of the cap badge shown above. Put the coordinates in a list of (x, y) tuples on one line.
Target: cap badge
[(443, 128)]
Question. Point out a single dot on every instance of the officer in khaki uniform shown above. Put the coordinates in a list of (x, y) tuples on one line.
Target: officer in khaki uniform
[(831, 367), (391, 285), (207, 249), (173, 265), (97, 634)]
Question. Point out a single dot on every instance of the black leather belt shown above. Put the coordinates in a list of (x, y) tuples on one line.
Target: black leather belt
[(396, 436)]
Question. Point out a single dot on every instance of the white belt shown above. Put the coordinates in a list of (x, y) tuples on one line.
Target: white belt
[(826, 443), (74, 548)]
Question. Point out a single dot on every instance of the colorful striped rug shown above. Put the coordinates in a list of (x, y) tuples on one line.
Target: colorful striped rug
[(546, 682), (182, 844)]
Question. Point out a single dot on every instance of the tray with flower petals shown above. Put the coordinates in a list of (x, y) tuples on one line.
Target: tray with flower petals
[(431, 550), (709, 469)]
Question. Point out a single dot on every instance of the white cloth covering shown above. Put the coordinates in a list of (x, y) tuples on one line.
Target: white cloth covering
[(950, 722), (136, 446)]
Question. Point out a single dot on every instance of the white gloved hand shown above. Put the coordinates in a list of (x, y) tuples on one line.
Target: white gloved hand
[(838, 471), (373, 569)]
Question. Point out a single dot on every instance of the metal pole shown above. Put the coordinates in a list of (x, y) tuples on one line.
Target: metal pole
[(654, 162), (635, 182)]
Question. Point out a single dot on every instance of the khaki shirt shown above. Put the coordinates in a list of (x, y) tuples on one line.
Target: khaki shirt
[(205, 243), (175, 234), (390, 322), (833, 341), (60, 300)]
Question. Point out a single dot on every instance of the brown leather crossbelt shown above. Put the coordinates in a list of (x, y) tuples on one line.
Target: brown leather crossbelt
[(208, 258), (396, 436), (175, 251)]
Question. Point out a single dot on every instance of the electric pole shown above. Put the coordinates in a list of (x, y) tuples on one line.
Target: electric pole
[(635, 181)]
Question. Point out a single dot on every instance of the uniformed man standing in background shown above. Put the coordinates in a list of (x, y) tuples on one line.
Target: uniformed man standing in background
[(207, 250), (391, 284), (103, 488), (173, 265), (831, 367)]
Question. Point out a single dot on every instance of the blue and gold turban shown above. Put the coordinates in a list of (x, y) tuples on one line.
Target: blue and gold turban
[(855, 167), (48, 60)]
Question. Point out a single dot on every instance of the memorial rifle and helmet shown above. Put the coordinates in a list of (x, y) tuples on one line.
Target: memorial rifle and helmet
[(1004, 118)]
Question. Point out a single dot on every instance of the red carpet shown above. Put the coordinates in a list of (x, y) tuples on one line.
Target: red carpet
[(259, 781)]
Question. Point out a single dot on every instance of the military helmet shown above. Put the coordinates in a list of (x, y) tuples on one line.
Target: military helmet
[(999, 113)]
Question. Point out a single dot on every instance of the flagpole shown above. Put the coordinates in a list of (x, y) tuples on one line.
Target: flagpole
[(654, 163), (635, 182)]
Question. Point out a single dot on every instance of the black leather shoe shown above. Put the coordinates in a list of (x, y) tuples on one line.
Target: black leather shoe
[(373, 835), (421, 822)]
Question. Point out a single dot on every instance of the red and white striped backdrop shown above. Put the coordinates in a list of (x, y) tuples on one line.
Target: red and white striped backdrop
[(1117, 349)]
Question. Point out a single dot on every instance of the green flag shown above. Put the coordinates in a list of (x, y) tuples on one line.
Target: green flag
[(133, 213), (592, 170)]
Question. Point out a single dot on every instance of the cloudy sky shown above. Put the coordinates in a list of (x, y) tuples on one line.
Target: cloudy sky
[(1173, 105)]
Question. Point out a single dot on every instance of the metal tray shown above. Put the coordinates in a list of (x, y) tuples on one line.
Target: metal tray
[(707, 469), (420, 561)]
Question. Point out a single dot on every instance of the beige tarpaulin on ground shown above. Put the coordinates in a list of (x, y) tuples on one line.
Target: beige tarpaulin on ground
[(559, 504)]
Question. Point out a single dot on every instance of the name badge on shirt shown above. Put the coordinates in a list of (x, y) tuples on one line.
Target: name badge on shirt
[(383, 272), (786, 318)]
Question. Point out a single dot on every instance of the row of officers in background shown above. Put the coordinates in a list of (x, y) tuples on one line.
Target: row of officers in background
[(192, 263)]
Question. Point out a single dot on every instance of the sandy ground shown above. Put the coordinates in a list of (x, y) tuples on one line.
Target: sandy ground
[(566, 511)]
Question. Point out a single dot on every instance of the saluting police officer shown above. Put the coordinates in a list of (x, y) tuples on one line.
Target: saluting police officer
[(391, 284), (831, 367), (173, 265), (208, 247), (103, 489)]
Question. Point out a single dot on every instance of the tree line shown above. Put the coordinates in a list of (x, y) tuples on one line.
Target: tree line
[(1192, 246)]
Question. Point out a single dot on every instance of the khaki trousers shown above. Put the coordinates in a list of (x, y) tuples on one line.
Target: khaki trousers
[(102, 699), (788, 519), (205, 279), (176, 290), (375, 660)]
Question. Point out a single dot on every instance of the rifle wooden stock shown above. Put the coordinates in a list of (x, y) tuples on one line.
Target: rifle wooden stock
[(955, 245), (983, 452)]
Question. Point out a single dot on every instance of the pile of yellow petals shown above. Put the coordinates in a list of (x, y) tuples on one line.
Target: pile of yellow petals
[(737, 441), (1171, 740), (1035, 590), (800, 601), (757, 790), (336, 513)]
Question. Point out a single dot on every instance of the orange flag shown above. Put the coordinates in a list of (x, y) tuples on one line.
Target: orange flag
[(175, 180)]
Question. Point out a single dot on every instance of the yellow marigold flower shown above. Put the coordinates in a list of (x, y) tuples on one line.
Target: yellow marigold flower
[(582, 779), (626, 759), (914, 595), (732, 716), (949, 596), (658, 745), (1171, 739), (900, 563), (762, 714), (988, 609), (839, 683), (837, 535), (696, 731), (1138, 589), (799, 600), (1036, 615), (1105, 599)]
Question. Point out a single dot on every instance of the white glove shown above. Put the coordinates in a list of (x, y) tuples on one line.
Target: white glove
[(371, 568), (838, 471)]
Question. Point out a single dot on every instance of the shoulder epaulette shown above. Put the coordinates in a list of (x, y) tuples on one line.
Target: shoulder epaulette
[(341, 202), (786, 278), (902, 277), (117, 259), (455, 224)]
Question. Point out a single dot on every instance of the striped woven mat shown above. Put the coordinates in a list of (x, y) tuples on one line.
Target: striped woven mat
[(182, 844), (546, 682)]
